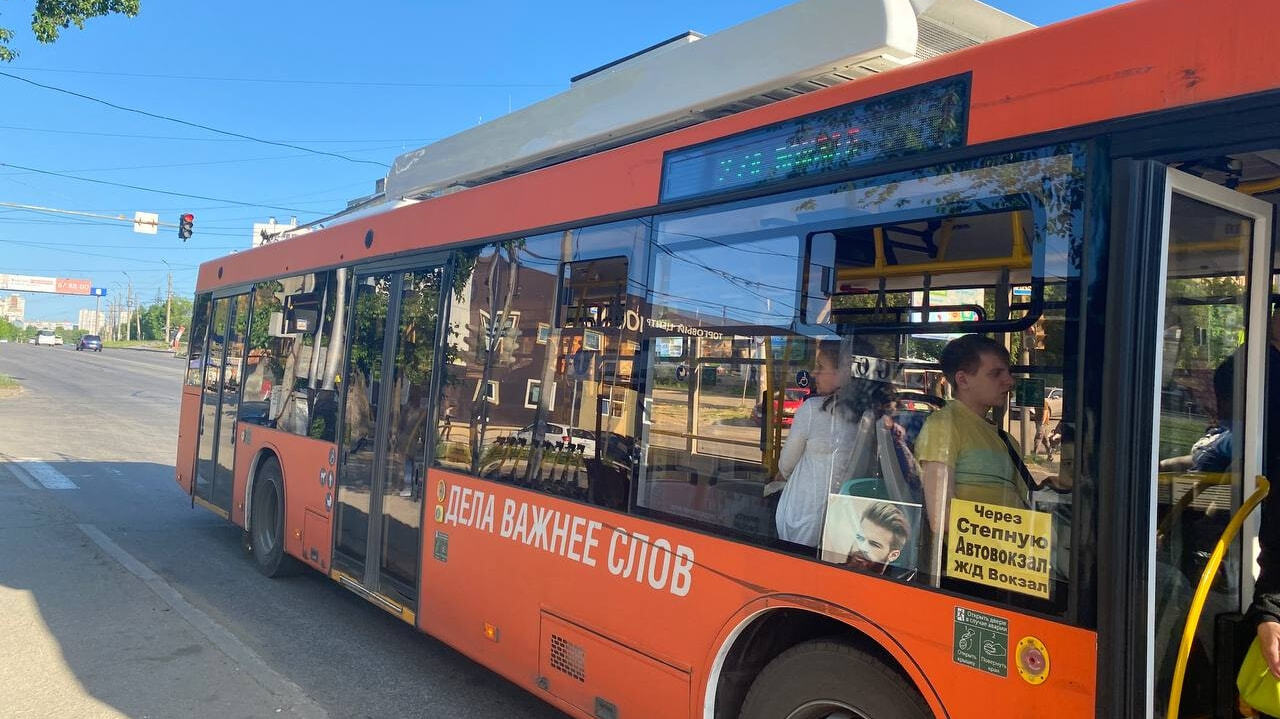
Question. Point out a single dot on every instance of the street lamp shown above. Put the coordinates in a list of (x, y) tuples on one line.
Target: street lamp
[(113, 312), (128, 302), (168, 301)]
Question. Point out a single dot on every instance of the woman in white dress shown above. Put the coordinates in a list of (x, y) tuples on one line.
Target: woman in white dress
[(819, 449)]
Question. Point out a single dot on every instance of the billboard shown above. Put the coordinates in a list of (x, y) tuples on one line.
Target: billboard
[(54, 285)]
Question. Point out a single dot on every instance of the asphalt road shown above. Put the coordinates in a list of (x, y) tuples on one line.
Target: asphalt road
[(189, 628)]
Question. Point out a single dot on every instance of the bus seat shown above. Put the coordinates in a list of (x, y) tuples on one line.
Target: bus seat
[(864, 487)]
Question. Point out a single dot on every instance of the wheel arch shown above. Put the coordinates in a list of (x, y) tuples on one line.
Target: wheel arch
[(768, 626), (266, 451)]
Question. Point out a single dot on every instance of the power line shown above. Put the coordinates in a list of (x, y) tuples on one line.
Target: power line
[(191, 124), (205, 230), (209, 139), (190, 164), (89, 254), (187, 269), (155, 190), (182, 247), (340, 83)]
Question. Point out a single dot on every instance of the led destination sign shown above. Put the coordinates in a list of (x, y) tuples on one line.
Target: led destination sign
[(920, 119)]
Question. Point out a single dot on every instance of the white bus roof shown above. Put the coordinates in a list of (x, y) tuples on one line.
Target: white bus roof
[(688, 79)]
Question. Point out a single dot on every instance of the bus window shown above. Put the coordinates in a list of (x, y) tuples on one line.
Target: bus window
[(196, 338), (800, 336), (543, 337), (289, 383)]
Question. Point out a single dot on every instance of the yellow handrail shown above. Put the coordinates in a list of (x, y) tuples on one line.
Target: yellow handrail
[(1202, 592), (933, 268)]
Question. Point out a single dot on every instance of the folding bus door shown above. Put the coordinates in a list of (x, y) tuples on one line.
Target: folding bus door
[(223, 362), (387, 411)]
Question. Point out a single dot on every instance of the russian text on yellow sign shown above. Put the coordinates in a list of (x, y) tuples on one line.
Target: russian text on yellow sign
[(1001, 547)]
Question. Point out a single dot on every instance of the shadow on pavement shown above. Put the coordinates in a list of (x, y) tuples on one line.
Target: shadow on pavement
[(91, 638)]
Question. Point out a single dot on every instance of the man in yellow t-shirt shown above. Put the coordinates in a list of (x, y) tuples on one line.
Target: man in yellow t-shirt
[(961, 454)]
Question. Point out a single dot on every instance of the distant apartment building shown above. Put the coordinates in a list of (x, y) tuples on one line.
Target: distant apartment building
[(52, 325), (13, 308), (90, 321)]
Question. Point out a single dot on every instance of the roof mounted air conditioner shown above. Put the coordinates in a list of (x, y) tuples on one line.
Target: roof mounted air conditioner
[(690, 78)]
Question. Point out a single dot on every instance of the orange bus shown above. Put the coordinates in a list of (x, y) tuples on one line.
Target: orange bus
[(536, 414)]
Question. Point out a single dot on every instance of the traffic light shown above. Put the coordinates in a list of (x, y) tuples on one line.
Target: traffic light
[(186, 223)]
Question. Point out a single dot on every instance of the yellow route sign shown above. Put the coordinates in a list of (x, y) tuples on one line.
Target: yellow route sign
[(1000, 547)]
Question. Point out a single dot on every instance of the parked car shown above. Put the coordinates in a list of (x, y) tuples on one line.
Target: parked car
[(792, 398), (560, 433), (89, 342), (47, 337), (1053, 398)]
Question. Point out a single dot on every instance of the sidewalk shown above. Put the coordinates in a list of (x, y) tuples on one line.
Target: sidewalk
[(87, 631)]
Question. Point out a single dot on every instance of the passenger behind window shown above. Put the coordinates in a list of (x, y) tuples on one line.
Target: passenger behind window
[(961, 454), (1213, 451), (843, 441), (817, 453)]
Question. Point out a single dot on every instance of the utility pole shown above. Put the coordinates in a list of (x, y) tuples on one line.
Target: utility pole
[(127, 304), (168, 308)]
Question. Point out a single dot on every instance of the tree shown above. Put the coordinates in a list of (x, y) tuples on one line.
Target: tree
[(53, 16), (151, 317)]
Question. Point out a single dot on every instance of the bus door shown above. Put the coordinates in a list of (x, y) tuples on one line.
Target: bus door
[(223, 361), (387, 410), (1208, 429)]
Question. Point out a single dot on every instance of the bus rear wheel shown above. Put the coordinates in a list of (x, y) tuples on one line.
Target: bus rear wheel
[(266, 530), (830, 679)]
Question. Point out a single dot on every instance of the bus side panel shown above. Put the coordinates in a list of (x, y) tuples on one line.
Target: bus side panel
[(308, 489), (484, 565), (1185, 53), (188, 437)]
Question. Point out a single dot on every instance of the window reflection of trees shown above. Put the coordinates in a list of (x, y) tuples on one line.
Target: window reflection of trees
[(291, 376), (573, 436), (415, 357)]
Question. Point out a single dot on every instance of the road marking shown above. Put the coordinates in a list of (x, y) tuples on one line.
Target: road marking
[(22, 476), (266, 677), (47, 476)]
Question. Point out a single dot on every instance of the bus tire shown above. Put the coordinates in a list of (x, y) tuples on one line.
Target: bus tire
[(266, 531), (827, 677)]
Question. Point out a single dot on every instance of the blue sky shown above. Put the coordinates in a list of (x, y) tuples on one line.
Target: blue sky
[(365, 81)]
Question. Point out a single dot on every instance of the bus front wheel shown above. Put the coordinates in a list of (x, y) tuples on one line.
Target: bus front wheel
[(266, 531), (830, 678)]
